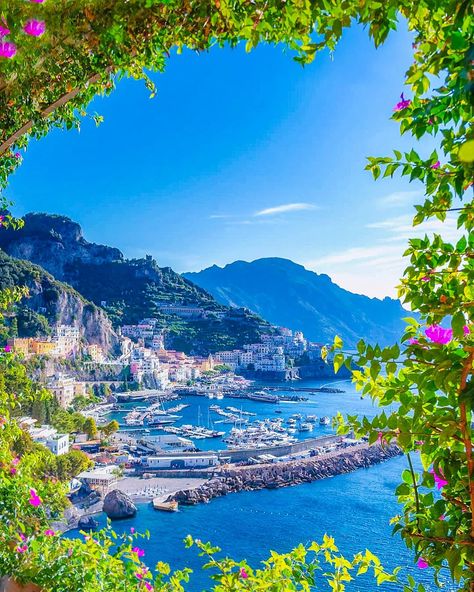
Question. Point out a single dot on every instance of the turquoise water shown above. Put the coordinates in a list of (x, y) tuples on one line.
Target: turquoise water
[(354, 508)]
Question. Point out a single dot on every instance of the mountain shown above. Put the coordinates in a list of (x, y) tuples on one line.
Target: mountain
[(129, 290), (289, 295), (51, 302)]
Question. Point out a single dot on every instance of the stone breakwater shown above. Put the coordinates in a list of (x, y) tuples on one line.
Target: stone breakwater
[(272, 476)]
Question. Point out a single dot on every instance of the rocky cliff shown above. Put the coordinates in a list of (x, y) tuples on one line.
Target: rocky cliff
[(54, 303)]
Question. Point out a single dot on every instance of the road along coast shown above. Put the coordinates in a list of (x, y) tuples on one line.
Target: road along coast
[(274, 475)]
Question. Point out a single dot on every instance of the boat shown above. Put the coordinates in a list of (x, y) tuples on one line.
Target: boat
[(324, 421), (306, 427), (158, 419), (311, 418), (263, 397), (219, 396), (164, 506)]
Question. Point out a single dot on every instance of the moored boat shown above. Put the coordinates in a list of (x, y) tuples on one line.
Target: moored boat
[(164, 506)]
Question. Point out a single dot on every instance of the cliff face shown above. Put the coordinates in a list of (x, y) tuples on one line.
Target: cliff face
[(56, 243), (55, 302)]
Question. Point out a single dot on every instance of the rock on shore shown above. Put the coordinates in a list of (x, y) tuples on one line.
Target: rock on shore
[(119, 505), (271, 476)]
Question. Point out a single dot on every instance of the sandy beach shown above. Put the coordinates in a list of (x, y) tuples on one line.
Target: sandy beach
[(143, 490)]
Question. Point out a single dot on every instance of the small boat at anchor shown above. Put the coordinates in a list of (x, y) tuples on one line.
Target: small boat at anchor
[(164, 506)]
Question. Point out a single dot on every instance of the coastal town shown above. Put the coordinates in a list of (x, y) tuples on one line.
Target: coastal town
[(172, 428)]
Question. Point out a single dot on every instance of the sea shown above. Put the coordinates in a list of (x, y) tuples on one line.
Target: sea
[(354, 508)]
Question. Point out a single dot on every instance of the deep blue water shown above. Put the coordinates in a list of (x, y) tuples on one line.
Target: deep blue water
[(354, 508)]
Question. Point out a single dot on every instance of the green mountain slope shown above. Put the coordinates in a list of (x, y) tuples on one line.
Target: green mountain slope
[(129, 290), (287, 294)]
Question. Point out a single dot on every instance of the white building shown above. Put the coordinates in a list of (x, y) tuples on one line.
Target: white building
[(49, 437), (63, 388), (100, 477), (66, 338), (182, 461)]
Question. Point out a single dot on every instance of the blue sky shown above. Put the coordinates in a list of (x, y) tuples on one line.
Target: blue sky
[(241, 156)]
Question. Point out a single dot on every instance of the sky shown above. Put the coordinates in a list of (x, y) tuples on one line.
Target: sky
[(242, 156)]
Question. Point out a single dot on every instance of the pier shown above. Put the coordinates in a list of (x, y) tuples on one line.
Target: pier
[(285, 474)]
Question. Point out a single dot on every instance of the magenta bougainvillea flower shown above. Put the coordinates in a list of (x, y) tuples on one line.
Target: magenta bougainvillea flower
[(22, 548), (22, 537), (466, 330), (402, 104), (138, 575), (34, 500), (132, 530), (436, 165), (7, 49), (442, 517), (413, 341), (37, 1), (243, 574), (439, 335), (439, 479), (8, 349), (138, 551), (422, 563), (49, 532), (34, 28), (4, 30), (148, 586)]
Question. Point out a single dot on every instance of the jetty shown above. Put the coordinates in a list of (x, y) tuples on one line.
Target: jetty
[(233, 479)]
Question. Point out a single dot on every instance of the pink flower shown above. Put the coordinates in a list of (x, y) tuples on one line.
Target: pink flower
[(442, 517), (69, 552), (7, 349), (148, 586), (17, 155), (132, 530), (380, 437), (49, 532), (426, 278), (34, 500), (2, 218), (413, 341), (439, 335), (402, 104), (34, 28), (439, 480), (22, 548), (243, 574), (419, 442), (4, 30), (436, 165), (37, 1), (21, 536), (422, 563), (138, 551), (7, 49), (13, 471), (466, 330), (138, 575), (15, 461)]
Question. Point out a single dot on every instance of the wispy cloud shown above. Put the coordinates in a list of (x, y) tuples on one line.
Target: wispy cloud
[(399, 198), (291, 207), (220, 216), (356, 254), (400, 228)]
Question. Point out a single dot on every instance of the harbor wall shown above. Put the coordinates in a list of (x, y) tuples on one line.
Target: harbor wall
[(302, 445), (272, 476)]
